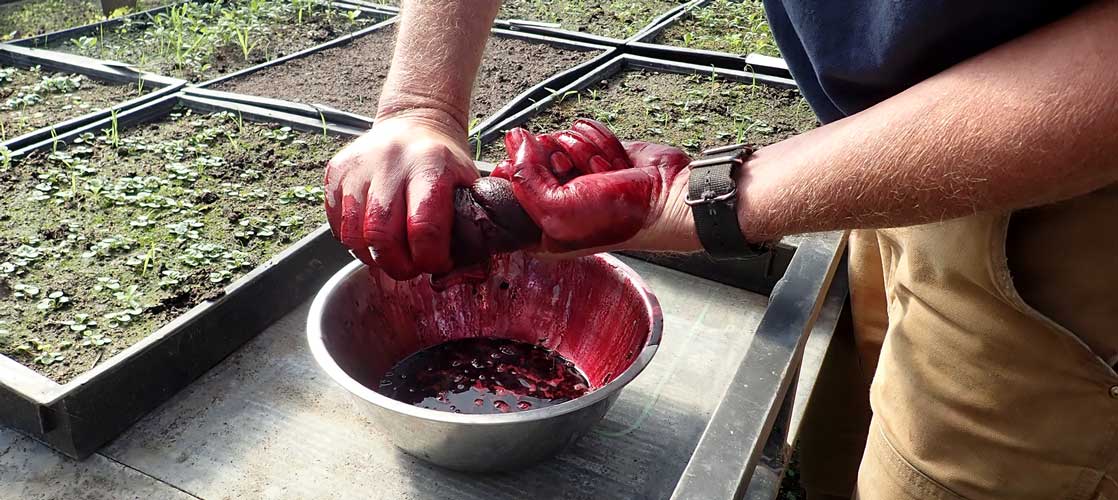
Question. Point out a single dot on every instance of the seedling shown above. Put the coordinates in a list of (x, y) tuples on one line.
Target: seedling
[(243, 34), (475, 135), (53, 301), (114, 133), (80, 323)]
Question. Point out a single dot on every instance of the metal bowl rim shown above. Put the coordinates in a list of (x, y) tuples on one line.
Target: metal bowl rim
[(327, 363)]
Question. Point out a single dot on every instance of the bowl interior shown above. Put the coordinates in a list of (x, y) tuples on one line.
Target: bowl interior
[(590, 310)]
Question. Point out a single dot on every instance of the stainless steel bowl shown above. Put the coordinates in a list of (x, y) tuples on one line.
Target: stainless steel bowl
[(594, 310)]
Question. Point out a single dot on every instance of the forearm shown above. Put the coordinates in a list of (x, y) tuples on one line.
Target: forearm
[(1028, 123), (438, 51)]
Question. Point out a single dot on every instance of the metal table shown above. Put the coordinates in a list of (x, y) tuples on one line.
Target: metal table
[(267, 424)]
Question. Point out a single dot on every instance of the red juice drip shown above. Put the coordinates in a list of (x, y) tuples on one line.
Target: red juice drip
[(484, 376)]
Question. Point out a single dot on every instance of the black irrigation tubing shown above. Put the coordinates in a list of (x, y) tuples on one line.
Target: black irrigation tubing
[(532, 94), (642, 44), (80, 416), (759, 274), (156, 85)]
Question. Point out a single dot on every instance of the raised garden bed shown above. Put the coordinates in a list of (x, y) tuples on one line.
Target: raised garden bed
[(731, 34), (45, 93), (33, 98), (688, 106), (513, 64), (30, 18), (200, 40), (691, 110), (616, 19), (733, 26), (134, 256)]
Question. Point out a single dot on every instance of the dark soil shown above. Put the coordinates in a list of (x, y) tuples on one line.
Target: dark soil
[(735, 26), (350, 77), (31, 99), (612, 18), (102, 244), (692, 112), (36, 17), (199, 41)]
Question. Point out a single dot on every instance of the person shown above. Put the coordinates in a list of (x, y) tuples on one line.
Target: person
[(977, 141)]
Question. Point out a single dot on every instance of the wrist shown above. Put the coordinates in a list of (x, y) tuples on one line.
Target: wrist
[(673, 228), (430, 112), (756, 216)]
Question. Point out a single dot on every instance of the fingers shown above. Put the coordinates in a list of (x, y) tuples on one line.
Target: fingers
[(588, 211), (430, 199), (583, 153), (385, 234), (332, 183), (598, 134), (648, 154), (503, 170)]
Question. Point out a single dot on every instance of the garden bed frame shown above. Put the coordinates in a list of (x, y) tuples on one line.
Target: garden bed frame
[(22, 57), (80, 416), (45, 38), (533, 94), (758, 274), (642, 44), (86, 29)]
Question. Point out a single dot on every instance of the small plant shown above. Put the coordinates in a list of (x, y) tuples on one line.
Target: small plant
[(25, 291), (114, 132), (475, 136), (80, 323), (53, 301), (106, 283), (122, 317), (85, 45), (254, 227), (310, 194), (42, 352), (243, 35), (5, 158)]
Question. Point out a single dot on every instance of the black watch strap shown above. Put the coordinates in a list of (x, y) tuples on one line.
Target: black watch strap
[(713, 196)]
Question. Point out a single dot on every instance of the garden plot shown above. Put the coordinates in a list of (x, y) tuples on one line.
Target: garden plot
[(350, 77), (613, 18), (33, 98), (107, 240), (732, 26), (198, 41), (690, 111), (29, 18)]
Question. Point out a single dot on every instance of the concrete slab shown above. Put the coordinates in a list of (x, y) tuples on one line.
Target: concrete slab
[(267, 423), (30, 471)]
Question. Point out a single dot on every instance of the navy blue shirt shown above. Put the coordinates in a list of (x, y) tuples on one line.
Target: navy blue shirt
[(848, 55)]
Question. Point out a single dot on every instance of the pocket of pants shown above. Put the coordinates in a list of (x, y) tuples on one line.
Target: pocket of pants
[(886, 475)]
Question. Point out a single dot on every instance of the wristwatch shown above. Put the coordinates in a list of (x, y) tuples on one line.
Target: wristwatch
[(712, 194)]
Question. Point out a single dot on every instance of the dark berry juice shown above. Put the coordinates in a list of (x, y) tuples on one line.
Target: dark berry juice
[(484, 375)]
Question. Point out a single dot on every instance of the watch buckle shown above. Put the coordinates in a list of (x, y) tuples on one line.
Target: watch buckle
[(709, 198)]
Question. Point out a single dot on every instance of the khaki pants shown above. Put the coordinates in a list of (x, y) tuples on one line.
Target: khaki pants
[(978, 394)]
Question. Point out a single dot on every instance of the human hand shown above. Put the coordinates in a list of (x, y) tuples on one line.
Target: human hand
[(390, 193), (588, 192)]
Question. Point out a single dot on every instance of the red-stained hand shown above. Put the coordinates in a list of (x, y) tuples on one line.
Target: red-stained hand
[(589, 192), (390, 194)]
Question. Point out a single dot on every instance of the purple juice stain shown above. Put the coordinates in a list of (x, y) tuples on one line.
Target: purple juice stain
[(484, 376)]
